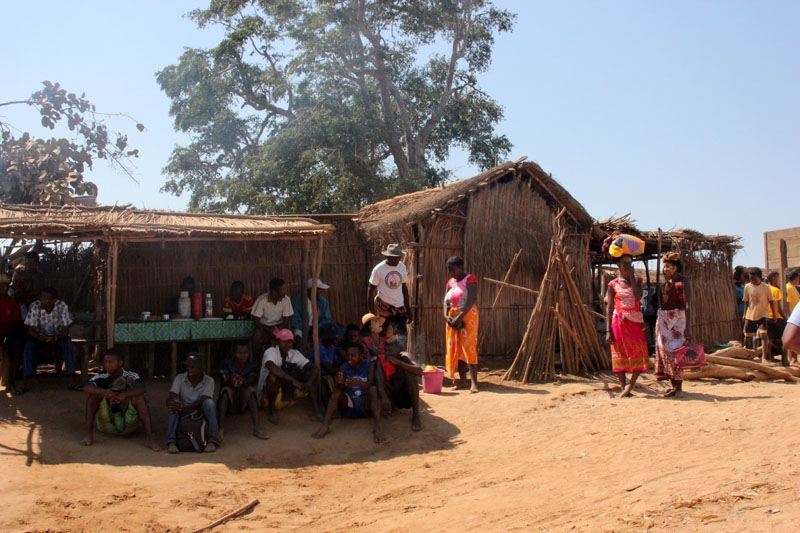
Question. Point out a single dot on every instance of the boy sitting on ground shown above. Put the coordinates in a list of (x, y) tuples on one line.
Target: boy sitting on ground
[(284, 371), (238, 378), (397, 383), (355, 394), (116, 402)]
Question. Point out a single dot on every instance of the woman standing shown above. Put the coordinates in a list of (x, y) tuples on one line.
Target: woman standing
[(461, 332), (624, 320), (673, 327)]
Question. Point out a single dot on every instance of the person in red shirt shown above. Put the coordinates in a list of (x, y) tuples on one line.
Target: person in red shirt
[(237, 303), (10, 334)]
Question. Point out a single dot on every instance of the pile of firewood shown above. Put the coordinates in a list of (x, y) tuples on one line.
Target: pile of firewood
[(560, 325), (740, 363)]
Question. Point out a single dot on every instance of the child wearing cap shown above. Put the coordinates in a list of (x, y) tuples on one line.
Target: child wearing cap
[(323, 307)]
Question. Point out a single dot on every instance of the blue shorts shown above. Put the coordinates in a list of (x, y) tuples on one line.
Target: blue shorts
[(356, 407)]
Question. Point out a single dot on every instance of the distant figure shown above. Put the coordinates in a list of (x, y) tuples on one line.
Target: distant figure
[(27, 281), (674, 324), (238, 379), (624, 325), (323, 307), (461, 329), (387, 290), (116, 403), (192, 390), (760, 303), (740, 279), (237, 303), (355, 393)]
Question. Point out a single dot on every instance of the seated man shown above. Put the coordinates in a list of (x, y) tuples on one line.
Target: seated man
[(116, 402), (48, 323), (271, 310), (355, 394), (237, 303), (190, 391), (397, 383), (237, 388), (284, 371), (323, 307)]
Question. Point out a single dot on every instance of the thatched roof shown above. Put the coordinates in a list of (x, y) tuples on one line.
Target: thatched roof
[(680, 239), (129, 224), (409, 208)]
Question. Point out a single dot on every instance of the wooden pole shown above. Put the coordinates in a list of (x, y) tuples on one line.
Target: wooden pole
[(238, 512), (314, 310), (512, 286), (497, 298), (111, 292), (657, 300)]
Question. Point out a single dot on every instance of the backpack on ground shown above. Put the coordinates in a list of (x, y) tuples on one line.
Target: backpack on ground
[(192, 434)]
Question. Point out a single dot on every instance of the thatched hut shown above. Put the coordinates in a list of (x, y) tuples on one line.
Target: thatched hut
[(141, 256), (486, 220)]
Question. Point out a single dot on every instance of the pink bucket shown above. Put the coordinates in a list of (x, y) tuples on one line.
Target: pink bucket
[(432, 381)]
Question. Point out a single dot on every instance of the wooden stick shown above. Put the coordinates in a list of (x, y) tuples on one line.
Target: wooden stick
[(750, 365), (234, 514), (511, 286)]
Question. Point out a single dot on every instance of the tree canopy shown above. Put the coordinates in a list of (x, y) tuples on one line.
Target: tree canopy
[(326, 105), (39, 171)]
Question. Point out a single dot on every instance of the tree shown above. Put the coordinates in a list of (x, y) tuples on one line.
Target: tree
[(38, 171), (326, 105)]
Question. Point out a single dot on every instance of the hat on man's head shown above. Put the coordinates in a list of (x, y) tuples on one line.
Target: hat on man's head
[(195, 359), (283, 334), (393, 250), (320, 284)]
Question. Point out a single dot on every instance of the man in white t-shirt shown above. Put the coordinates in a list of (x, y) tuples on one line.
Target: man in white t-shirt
[(387, 292), (270, 310), (284, 372)]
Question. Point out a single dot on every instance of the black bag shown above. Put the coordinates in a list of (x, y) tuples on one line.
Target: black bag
[(192, 434)]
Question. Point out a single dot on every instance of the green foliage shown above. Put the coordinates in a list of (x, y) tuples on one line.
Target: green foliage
[(325, 106), (38, 171)]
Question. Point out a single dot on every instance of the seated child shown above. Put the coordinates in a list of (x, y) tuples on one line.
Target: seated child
[(396, 378), (237, 394), (373, 339), (115, 403), (355, 394)]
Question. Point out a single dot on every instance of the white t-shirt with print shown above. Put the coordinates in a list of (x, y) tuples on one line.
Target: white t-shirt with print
[(389, 280)]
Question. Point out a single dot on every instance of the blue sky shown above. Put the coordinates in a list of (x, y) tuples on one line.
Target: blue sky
[(682, 113)]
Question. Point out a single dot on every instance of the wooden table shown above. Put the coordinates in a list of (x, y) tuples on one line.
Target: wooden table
[(154, 332)]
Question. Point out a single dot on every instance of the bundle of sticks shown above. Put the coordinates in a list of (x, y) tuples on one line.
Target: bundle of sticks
[(738, 363), (560, 323)]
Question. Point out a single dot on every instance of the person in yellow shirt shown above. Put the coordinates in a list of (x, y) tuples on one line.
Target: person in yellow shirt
[(773, 280)]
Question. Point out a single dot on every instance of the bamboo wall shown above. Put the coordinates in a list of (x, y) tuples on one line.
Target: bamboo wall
[(487, 229), (714, 317)]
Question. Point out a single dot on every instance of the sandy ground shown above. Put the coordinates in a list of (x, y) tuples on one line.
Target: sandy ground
[(555, 457)]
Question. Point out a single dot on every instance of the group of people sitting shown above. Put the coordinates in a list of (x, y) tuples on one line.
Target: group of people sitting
[(350, 382)]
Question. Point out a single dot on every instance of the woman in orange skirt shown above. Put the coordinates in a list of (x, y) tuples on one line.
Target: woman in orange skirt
[(461, 332)]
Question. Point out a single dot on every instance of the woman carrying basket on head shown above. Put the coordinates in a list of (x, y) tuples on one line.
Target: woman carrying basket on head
[(673, 327)]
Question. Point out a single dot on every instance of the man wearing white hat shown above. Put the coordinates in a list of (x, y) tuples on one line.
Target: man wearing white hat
[(387, 293), (323, 307)]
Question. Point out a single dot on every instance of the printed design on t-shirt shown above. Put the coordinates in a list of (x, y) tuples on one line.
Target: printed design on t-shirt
[(393, 279)]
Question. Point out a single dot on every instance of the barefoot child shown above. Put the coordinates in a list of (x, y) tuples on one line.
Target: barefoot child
[(237, 388), (355, 394), (115, 403), (396, 378)]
